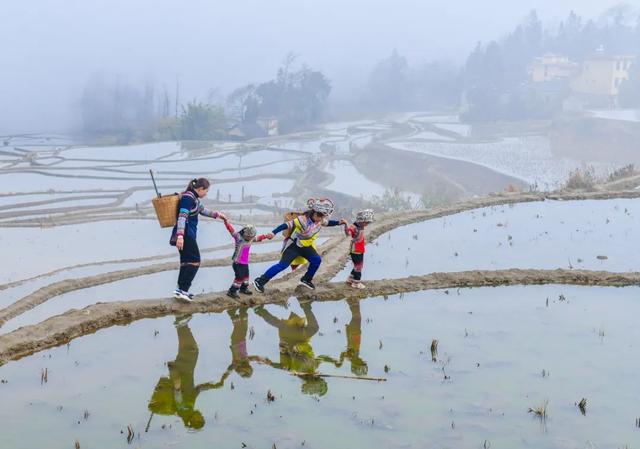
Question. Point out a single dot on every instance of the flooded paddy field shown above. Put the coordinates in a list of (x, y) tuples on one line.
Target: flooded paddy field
[(54, 181), (239, 378), (594, 235), (269, 376), (94, 242)]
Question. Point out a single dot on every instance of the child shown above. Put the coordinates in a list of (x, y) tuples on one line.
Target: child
[(243, 239), (185, 231), (356, 232), (305, 229)]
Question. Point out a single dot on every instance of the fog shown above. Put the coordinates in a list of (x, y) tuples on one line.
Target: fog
[(477, 149), (50, 48)]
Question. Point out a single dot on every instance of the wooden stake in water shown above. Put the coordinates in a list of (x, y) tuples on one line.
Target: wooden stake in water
[(146, 429), (337, 376)]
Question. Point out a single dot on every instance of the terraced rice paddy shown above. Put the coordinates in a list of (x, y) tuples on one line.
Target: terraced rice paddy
[(418, 366)]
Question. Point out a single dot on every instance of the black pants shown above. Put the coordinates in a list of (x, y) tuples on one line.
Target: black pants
[(241, 272), (189, 263), (190, 253), (358, 262), (289, 254)]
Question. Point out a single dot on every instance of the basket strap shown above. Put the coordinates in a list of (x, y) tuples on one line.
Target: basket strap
[(196, 208)]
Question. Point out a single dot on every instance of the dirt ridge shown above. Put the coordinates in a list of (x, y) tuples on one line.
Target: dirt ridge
[(75, 323)]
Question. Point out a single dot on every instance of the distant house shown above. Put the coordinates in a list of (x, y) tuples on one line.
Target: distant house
[(551, 67), (269, 125), (246, 130), (262, 127), (602, 74)]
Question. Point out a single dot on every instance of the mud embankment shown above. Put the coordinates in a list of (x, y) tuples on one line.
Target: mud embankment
[(63, 328)]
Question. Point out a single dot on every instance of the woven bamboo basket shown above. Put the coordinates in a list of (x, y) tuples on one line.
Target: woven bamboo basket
[(166, 209), (289, 216)]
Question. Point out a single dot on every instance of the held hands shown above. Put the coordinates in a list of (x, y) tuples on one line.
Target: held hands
[(180, 242), (222, 217), (344, 222), (270, 235)]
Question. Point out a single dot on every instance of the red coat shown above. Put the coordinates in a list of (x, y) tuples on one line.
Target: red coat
[(357, 238)]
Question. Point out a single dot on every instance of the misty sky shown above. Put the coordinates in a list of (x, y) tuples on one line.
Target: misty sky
[(50, 47)]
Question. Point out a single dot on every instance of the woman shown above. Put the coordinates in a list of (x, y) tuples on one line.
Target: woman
[(304, 232), (185, 232)]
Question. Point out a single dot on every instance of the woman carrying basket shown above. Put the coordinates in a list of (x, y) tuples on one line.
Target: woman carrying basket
[(185, 231)]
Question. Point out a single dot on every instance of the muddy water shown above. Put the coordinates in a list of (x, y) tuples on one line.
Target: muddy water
[(202, 389), (550, 234)]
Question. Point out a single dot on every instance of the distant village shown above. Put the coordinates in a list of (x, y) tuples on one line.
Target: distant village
[(591, 83)]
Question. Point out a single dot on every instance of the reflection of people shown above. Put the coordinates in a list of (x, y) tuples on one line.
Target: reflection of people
[(240, 360), (354, 332), (239, 357), (296, 353), (177, 394)]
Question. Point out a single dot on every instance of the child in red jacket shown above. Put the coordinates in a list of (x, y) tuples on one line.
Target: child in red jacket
[(356, 232)]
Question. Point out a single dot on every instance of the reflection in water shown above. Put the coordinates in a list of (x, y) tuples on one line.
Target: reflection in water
[(495, 372), (354, 332), (239, 357), (177, 393), (296, 353)]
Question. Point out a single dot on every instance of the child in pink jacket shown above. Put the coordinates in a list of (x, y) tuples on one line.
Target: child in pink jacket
[(243, 238)]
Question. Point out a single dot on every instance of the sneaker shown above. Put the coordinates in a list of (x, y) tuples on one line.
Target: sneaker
[(349, 281), (259, 286), (359, 285), (307, 284), (246, 291), (233, 294), (182, 295)]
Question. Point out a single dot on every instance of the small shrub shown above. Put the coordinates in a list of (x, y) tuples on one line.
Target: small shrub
[(429, 201), (391, 200), (623, 172), (581, 179)]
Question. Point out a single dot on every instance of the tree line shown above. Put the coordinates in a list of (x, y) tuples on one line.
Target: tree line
[(491, 85), (296, 97)]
